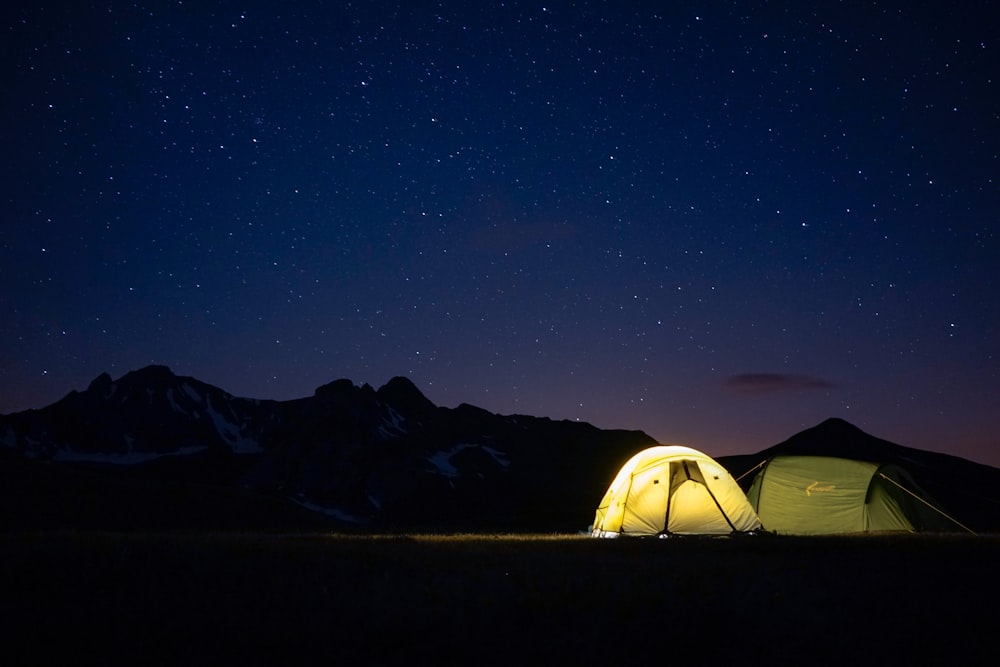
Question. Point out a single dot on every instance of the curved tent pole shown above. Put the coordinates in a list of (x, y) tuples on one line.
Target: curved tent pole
[(721, 511), (670, 497), (936, 509), (711, 495), (628, 492)]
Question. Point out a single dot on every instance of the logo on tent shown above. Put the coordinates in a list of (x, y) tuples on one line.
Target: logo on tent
[(816, 486)]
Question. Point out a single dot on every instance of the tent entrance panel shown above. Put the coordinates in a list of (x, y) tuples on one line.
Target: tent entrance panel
[(696, 512), (883, 510), (692, 508)]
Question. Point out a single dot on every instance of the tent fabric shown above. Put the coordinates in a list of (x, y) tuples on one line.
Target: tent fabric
[(672, 489), (816, 495)]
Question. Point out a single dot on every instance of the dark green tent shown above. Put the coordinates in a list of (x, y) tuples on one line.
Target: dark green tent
[(816, 495)]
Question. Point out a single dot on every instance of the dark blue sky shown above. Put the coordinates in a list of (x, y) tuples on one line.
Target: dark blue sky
[(719, 223)]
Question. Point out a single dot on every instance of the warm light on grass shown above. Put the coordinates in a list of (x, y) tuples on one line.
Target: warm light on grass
[(462, 537)]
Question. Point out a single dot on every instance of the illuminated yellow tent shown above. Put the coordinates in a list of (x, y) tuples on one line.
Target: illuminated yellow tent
[(673, 490), (814, 495)]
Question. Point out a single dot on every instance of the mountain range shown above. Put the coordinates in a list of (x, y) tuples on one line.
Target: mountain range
[(153, 450)]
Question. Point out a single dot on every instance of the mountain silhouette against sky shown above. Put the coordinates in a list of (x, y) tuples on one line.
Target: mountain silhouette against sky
[(390, 459)]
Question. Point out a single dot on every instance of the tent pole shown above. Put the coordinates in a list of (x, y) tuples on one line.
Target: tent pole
[(751, 470), (628, 493), (717, 504), (711, 495), (670, 497)]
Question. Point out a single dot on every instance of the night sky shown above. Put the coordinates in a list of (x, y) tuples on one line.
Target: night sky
[(719, 223)]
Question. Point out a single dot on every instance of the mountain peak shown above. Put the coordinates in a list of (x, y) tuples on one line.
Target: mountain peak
[(838, 437), (154, 373), (100, 383), (338, 388), (838, 423), (402, 393)]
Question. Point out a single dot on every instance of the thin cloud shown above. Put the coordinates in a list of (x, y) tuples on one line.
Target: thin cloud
[(768, 383)]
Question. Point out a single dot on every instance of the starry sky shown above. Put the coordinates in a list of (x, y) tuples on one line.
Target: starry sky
[(719, 223)]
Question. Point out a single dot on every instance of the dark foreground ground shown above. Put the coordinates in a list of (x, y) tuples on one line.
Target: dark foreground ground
[(251, 599)]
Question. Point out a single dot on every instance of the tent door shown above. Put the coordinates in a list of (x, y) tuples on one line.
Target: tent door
[(683, 471)]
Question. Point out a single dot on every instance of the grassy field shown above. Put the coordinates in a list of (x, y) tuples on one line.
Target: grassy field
[(264, 599)]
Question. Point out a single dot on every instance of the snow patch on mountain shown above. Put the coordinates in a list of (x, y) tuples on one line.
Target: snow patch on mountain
[(498, 456), (173, 403), (231, 433), (441, 460), (332, 512), (191, 392), (393, 426)]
